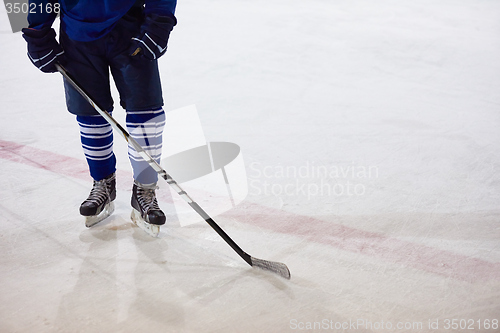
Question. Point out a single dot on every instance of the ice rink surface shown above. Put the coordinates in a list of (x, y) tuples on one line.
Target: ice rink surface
[(370, 135)]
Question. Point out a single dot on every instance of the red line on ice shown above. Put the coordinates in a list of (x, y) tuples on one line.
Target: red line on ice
[(47, 160), (429, 259), (43, 159)]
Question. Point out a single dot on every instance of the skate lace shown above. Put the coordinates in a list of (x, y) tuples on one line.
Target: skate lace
[(99, 192), (147, 199)]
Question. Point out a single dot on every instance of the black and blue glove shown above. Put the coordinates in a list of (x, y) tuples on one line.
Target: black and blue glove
[(153, 39), (43, 49)]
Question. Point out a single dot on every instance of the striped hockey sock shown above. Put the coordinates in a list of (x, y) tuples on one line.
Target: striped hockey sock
[(96, 135), (146, 127)]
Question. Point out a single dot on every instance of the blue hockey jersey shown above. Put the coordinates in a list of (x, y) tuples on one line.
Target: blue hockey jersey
[(87, 20)]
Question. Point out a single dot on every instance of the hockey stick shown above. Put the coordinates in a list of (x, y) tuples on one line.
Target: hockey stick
[(272, 266)]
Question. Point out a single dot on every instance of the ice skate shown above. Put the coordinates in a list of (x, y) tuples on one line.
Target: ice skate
[(99, 205), (145, 213)]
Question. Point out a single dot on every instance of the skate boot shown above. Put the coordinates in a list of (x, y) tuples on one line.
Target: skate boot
[(99, 205), (145, 213)]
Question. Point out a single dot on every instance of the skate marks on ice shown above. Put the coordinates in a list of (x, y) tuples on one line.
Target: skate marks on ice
[(342, 236)]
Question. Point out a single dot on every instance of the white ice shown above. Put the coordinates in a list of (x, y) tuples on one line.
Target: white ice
[(370, 134)]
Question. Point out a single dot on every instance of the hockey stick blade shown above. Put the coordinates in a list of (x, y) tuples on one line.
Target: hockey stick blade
[(270, 266)]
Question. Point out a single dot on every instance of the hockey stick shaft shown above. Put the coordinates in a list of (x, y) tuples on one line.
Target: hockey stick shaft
[(267, 265)]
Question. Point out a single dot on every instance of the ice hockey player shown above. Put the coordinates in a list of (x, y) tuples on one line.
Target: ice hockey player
[(126, 38)]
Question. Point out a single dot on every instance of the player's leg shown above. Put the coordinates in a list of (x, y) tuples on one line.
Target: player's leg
[(138, 82), (87, 63)]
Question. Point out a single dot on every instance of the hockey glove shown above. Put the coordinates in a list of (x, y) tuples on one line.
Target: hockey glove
[(152, 41), (43, 49)]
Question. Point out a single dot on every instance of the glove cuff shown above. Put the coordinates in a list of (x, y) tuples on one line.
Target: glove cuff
[(159, 25), (163, 19), (35, 33), (39, 37)]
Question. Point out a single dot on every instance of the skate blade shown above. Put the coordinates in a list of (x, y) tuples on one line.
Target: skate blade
[(151, 229), (94, 219)]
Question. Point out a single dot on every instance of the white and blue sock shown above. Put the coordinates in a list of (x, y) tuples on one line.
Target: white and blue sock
[(96, 135), (146, 127)]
